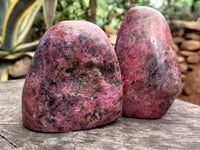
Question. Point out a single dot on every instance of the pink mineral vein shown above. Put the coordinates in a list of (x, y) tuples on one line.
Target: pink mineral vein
[(74, 81), (148, 64)]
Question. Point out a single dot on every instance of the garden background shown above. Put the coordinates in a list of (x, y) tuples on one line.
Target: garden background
[(23, 22)]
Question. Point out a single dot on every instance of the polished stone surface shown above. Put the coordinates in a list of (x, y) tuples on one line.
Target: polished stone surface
[(149, 65), (74, 81)]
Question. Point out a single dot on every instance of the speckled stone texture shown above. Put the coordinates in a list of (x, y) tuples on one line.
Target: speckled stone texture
[(148, 64), (74, 81)]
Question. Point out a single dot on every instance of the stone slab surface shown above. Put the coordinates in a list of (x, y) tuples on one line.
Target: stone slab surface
[(178, 129)]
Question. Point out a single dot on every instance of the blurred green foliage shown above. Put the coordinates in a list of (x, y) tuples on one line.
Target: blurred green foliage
[(68, 10), (112, 12), (175, 9), (16, 20)]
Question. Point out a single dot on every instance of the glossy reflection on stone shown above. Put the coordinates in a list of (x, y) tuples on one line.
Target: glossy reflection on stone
[(74, 81), (148, 63)]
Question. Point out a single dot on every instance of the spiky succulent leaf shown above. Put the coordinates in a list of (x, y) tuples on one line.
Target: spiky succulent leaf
[(4, 5), (27, 22), (4, 71), (17, 55), (26, 47), (17, 23), (0, 40), (15, 15), (49, 8), (21, 48)]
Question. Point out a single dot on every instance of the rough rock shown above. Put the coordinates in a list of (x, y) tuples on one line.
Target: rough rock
[(183, 67), (192, 36), (175, 47), (181, 59), (194, 59), (74, 81), (192, 67), (178, 39), (190, 45), (20, 68), (183, 77), (113, 38), (179, 33), (187, 53), (181, 88), (112, 34), (192, 82), (148, 64), (188, 24), (195, 99), (108, 30)]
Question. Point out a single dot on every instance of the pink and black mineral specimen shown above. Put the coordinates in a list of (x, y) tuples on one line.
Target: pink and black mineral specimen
[(74, 81), (149, 66)]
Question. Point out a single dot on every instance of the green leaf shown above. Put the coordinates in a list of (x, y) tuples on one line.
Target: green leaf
[(3, 54), (49, 8), (27, 22), (17, 55), (4, 5), (26, 47), (16, 13), (17, 51), (0, 40), (4, 71), (86, 3)]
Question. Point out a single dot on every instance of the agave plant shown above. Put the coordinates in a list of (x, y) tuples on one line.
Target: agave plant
[(16, 20)]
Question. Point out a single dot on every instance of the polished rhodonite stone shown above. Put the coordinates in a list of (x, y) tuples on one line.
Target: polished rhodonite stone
[(149, 66), (74, 81)]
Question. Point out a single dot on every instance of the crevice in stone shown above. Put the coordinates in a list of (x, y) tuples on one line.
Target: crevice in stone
[(9, 123), (8, 141)]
